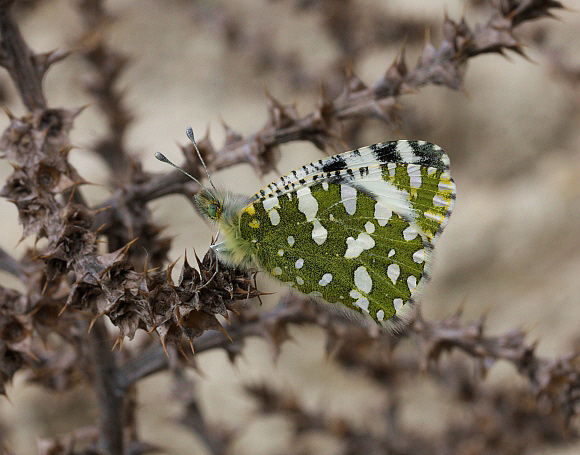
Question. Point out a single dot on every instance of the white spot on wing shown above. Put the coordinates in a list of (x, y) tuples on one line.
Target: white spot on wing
[(270, 203), (290, 240), (360, 301), (319, 233), (414, 171), (398, 303), (412, 283), (362, 279), (326, 279), (419, 256), (438, 201), (274, 217), (355, 247), (444, 186), (391, 253), (307, 204), (348, 198), (380, 315), (409, 233), (382, 214), (369, 227), (393, 272), (325, 186), (299, 280), (363, 304), (299, 263), (280, 252), (276, 271)]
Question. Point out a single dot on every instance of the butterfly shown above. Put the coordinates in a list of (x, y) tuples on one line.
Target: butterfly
[(355, 229)]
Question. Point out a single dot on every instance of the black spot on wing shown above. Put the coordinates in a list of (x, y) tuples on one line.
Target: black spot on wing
[(386, 152), (334, 163), (428, 154)]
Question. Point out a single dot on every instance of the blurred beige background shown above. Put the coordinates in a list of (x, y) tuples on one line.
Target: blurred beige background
[(511, 249)]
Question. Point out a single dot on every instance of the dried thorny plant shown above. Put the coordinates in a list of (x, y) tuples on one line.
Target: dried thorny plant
[(56, 334)]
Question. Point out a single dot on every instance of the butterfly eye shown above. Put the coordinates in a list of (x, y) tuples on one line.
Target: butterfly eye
[(212, 210)]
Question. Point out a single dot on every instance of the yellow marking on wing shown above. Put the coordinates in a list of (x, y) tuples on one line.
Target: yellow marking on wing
[(445, 185)]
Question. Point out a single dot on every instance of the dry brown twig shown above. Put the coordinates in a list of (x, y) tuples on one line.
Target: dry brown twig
[(70, 284)]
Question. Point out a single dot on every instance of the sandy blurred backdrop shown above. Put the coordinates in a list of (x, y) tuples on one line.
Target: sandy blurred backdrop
[(511, 249)]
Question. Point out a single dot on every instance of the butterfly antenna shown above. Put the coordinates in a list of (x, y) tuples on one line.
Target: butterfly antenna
[(189, 132), (161, 157)]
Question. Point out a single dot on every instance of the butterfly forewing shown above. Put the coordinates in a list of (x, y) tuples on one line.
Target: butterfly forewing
[(416, 152), (355, 228)]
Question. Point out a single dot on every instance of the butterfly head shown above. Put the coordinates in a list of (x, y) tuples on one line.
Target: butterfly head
[(209, 204)]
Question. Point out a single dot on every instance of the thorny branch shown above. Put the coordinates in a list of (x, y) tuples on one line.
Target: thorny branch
[(491, 429), (555, 381), (110, 400), (70, 285)]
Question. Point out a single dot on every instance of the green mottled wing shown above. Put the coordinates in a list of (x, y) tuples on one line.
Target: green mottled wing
[(356, 228)]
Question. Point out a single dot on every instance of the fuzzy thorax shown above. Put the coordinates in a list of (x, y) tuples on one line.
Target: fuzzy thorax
[(225, 209)]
